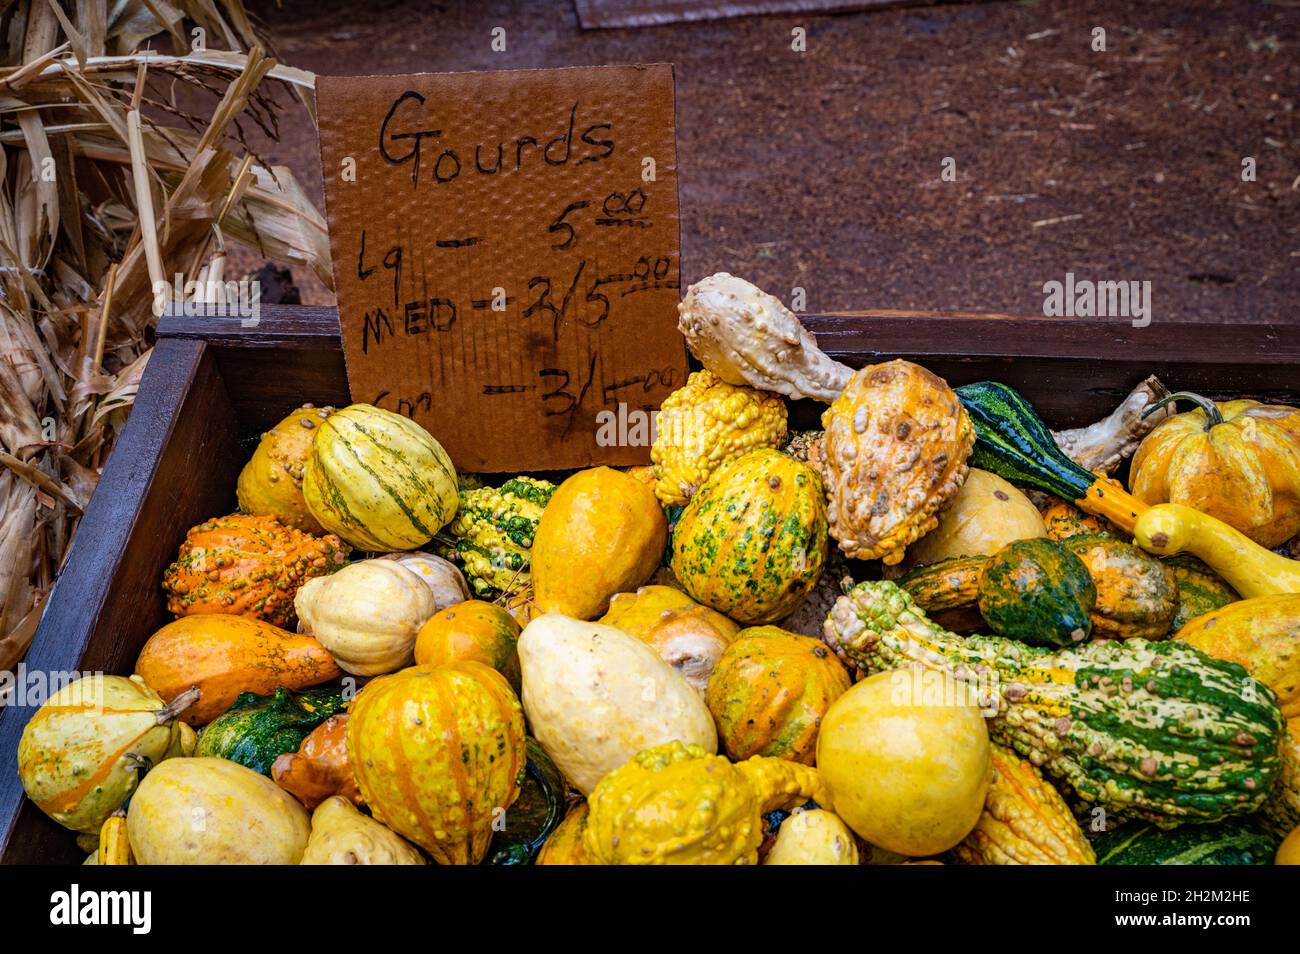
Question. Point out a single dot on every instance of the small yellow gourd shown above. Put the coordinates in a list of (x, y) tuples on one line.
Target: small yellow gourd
[(813, 837), (603, 532), (1251, 570), (210, 811), (341, 835)]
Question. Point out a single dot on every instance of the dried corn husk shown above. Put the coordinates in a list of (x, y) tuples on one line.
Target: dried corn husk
[(107, 185)]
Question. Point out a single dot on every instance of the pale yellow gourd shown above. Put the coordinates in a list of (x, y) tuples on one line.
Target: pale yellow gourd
[(907, 762), (986, 514), (366, 615), (1251, 570), (595, 696), (341, 835), (813, 837), (443, 577), (210, 811)]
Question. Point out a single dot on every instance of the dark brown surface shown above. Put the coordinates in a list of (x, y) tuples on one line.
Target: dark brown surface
[(608, 14), (202, 402), (822, 169)]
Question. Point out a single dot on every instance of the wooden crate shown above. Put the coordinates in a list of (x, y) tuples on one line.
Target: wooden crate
[(212, 387)]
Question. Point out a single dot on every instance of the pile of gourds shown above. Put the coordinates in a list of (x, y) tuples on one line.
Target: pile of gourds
[(381, 661)]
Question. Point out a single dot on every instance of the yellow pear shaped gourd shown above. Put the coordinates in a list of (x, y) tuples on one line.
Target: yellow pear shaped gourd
[(83, 752), (210, 811), (603, 532)]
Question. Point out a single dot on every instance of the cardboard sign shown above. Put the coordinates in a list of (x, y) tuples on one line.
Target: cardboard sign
[(507, 257)]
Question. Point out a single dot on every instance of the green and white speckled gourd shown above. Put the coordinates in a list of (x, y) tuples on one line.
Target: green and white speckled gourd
[(1157, 730)]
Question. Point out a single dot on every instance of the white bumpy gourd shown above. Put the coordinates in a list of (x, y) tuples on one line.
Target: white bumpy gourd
[(746, 336)]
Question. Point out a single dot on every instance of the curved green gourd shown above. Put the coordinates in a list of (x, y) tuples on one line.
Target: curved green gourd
[(1152, 730), (1012, 441)]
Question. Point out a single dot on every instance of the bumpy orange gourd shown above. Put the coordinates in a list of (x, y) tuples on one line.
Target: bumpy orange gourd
[(897, 440), (271, 481), (769, 692), (483, 632), (1238, 461), (438, 752), (226, 655), (246, 565), (603, 532)]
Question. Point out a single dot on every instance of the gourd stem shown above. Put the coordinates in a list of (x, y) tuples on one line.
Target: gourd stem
[(178, 705), (1212, 416)]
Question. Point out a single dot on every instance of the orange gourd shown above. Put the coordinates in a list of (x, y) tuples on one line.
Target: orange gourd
[(271, 481), (247, 566), (474, 629), (320, 768), (226, 655), (895, 451), (1237, 461)]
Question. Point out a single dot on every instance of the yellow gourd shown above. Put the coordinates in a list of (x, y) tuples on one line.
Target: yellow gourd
[(706, 423), (210, 811), (603, 532), (1236, 461), (438, 753), (84, 751), (1250, 569), (909, 773), (271, 481), (986, 514), (114, 845), (677, 804), (1288, 853), (813, 837), (564, 845), (1261, 634)]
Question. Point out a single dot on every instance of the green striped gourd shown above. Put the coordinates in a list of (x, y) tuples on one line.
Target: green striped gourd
[(378, 480), (1154, 730), (751, 543)]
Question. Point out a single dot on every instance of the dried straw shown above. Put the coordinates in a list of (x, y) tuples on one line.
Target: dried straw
[(107, 185)]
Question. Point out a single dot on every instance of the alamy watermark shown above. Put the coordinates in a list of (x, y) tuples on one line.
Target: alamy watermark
[(35, 687), (237, 298), (1084, 298)]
